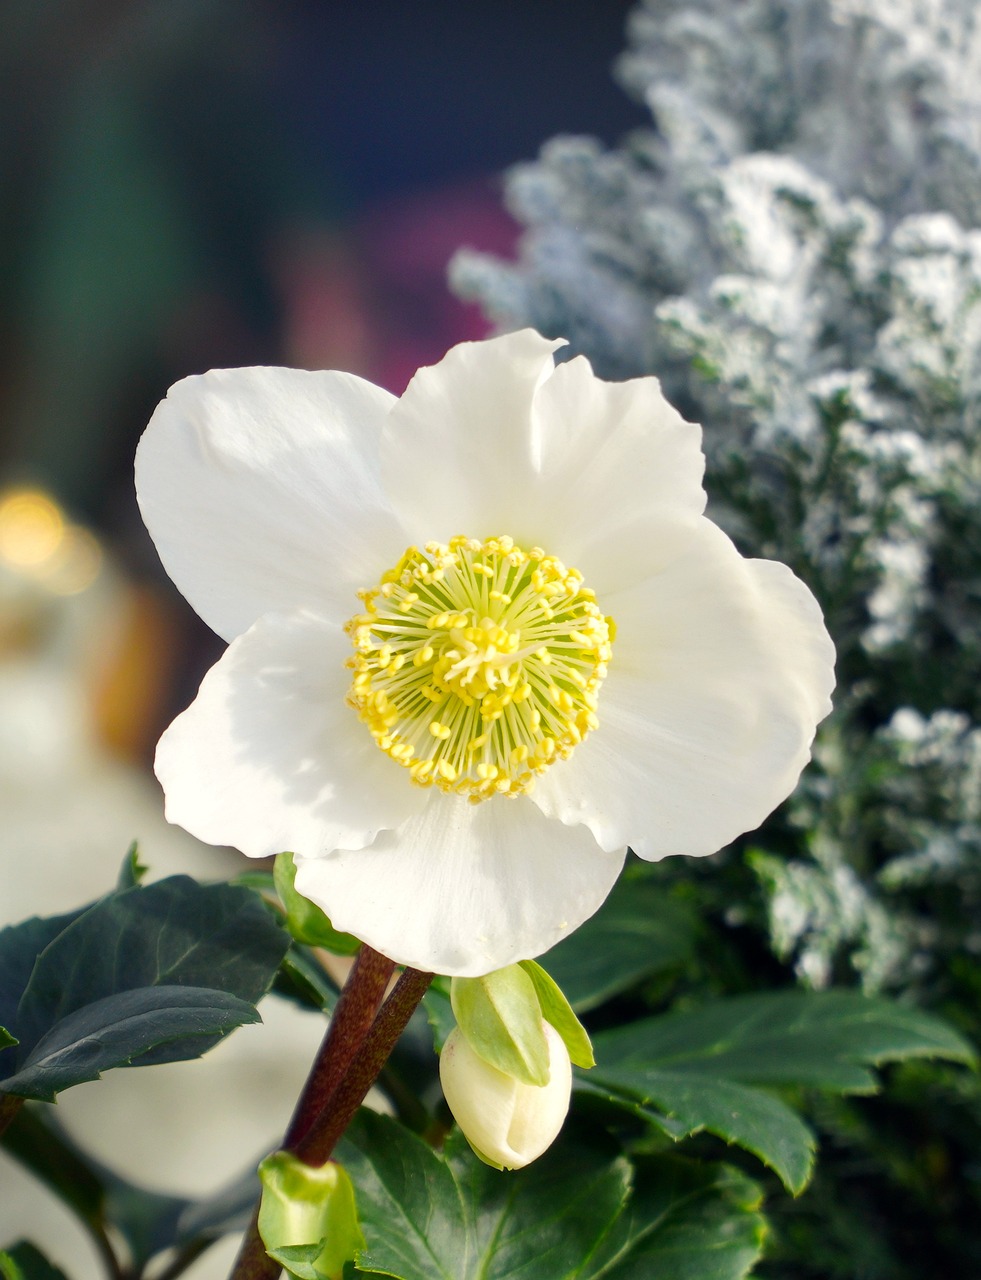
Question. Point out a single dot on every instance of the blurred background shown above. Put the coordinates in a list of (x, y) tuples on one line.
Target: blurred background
[(187, 184)]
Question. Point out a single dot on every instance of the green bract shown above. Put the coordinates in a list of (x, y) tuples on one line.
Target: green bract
[(307, 1217), (306, 922), (501, 1019), (501, 1013), (557, 1011)]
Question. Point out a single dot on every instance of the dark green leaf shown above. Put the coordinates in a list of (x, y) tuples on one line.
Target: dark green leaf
[(681, 1105), (429, 1218), (691, 1071), (41, 1146), (25, 1262), (638, 931), (686, 1221), (149, 1221), (20, 946), (827, 1040), (227, 1210), (576, 1214), (124, 1027), (175, 932), (439, 1012), (303, 979)]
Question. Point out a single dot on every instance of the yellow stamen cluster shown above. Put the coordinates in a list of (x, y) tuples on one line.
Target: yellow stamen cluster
[(478, 664)]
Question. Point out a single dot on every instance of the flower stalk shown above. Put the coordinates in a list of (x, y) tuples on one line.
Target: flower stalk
[(357, 1045), (349, 1024), (392, 1020)]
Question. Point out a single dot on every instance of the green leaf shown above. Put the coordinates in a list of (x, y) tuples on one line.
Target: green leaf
[(687, 1220), (827, 1040), (20, 946), (304, 919), (25, 1262), (501, 1018), (123, 1027), (303, 980), (557, 1011), (42, 1147), (681, 1106), (577, 1213), (439, 1012), (172, 933), (132, 871), (97, 1195), (429, 1218), (7, 1041), (229, 1209), (638, 931), (691, 1071), (256, 879), (149, 1221)]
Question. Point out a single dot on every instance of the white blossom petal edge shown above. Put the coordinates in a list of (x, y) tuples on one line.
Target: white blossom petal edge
[(482, 638)]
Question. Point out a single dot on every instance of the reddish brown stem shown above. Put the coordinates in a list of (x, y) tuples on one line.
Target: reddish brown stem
[(349, 1024), (320, 1140)]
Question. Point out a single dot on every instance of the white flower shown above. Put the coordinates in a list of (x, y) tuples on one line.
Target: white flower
[(460, 765), (508, 1123)]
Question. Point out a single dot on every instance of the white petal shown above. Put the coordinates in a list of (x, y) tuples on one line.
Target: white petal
[(260, 490), (494, 439), (464, 888), (457, 451), (721, 670), (609, 453), (269, 756)]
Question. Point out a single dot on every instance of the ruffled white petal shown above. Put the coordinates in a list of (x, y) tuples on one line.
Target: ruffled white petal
[(458, 451), (608, 454), (721, 670), (462, 888), (494, 439), (260, 489), (270, 757)]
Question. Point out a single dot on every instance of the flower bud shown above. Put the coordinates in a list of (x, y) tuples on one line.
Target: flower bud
[(307, 1216), (507, 1123)]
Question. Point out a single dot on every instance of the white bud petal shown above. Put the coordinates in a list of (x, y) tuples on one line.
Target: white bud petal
[(505, 1121)]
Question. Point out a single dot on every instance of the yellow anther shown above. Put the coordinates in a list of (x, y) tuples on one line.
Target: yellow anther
[(515, 681)]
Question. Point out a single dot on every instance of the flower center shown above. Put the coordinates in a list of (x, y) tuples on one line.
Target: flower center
[(478, 664)]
